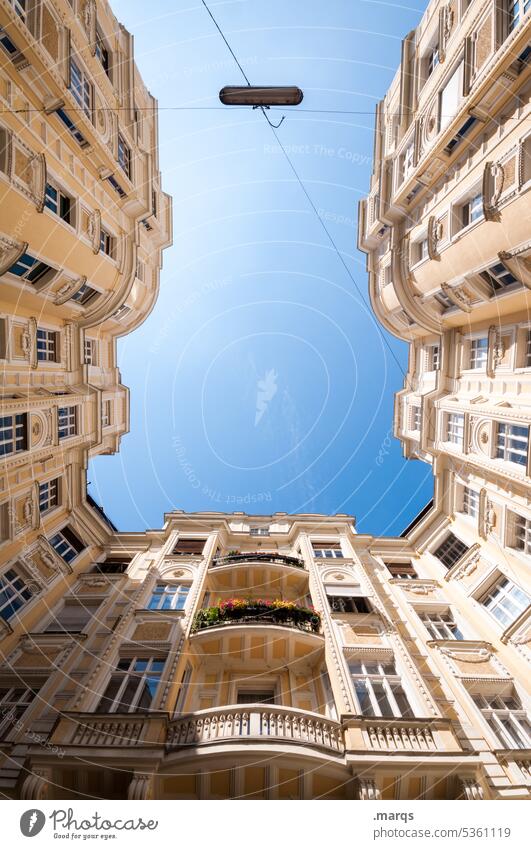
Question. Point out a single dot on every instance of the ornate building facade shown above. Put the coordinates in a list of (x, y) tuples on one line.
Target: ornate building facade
[(83, 223), (236, 656), (446, 231), (230, 656)]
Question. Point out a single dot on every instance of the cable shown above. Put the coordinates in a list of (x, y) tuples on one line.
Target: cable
[(226, 42), (310, 201)]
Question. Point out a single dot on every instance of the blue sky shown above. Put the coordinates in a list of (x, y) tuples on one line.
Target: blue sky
[(261, 382)]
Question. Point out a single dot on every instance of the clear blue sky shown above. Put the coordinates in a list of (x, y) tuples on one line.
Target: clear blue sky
[(261, 382)]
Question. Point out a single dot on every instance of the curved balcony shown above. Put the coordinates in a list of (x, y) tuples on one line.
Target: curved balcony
[(259, 723), (274, 557), (239, 611)]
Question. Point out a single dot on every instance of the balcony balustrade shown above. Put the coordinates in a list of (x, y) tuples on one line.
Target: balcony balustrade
[(248, 611), (385, 735), (256, 722), (261, 557), (122, 730)]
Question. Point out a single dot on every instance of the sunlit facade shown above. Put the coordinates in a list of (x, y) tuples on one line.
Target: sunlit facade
[(83, 222), (229, 656), (446, 231)]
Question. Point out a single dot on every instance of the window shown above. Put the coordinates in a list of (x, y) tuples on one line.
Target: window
[(169, 597), (121, 312), (124, 155), (379, 690), (416, 418), (81, 87), (450, 97), (444, 300), (470, 211), (422, 250), (450, 550), (434, 357), (515, 10), (116, 186), (66, 422), (71, 127), (404, 571), (498, 277), (90, 349), (463, 130), (15, 592), (433, 60), (102, 53), (505, 716), (511, 443), (20, 8), (58, 202), (259, 532), (455, 424), (522, 533), (47, 347), (347, 602), (189, 546), (183, 689), (250, 697), (478, 353), (408, 158), (106, 414), (13, 434), (505, 601), (84, 295), (132, 686), (14, 702), (73, 616), (326, 549), (106, 243), (113, 566), (67, 544), (441, 626), (470, 502), (527, 356), (48, 495), (29, 268)]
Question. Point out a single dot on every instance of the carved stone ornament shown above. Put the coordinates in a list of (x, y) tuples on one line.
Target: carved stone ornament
[(496, 350), (471, 788), (368, 789), (446, 22), (468, 567), (10, 252), (457, 296), (89, 22), (518, 262), (476, 655), (68, 289), (493, 176), (434, 236), (94, 230)]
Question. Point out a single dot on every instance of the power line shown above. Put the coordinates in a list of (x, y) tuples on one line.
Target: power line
[(310, 201)]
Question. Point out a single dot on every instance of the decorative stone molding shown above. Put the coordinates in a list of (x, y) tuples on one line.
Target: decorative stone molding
[(5, 629), (458, 296), (89, 22), (434, 236), (10, 252), (36, 785), (418, 587), (95, 231), (29, 342), (68, 289), (518, 262), (495, 351), (466, 650), (368, 790), (446, 22), (493, 175), (51, 558), (466, 564), (487, 515), (471, 788), (141, 786)]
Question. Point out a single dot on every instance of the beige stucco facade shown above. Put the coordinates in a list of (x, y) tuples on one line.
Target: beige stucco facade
[(284, 656)]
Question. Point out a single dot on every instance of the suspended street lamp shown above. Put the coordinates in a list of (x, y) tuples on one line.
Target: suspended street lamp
[(260, 96)]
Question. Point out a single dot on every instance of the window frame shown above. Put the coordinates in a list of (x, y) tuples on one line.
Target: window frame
[(19, 443), (47, 343), (16, 590), (501, 580), (49, 495), (178, 595), (389, 682), (124, 676), (67, 422)]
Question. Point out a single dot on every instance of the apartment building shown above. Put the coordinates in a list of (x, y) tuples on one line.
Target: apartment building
[(236, 656), (83, 223), (446, 231)]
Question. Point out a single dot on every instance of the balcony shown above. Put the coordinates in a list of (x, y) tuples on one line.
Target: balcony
[(259, 557), (238, 611), (388, 735), (110, 730), (260, 723)]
